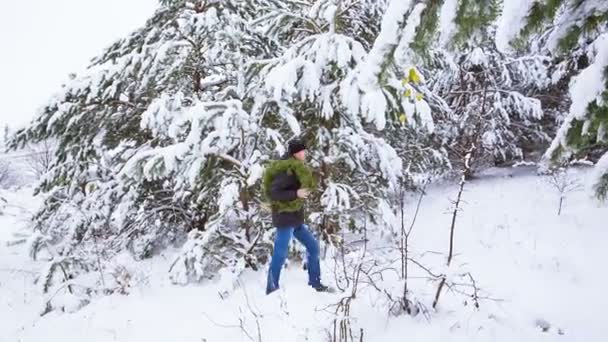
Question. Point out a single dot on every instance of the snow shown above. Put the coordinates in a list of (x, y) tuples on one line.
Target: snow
[(542, 271), (337, 197), (330, 16), (373, 107), (575, 15), (255, 173), (586, 87), (589, 84), (447, 26), (392, 22), (511, 22), (229, 195), (526, 107), (477, 58), (373, 103), (423, 110), (409, 33), (601, 169), (311, 57), (489, 139), (19, 297)]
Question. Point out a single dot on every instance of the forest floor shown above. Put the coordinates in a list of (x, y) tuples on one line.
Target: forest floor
[(541, 277)]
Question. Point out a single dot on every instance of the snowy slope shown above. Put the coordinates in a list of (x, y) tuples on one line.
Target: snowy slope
[(539, 269), (19, 297)]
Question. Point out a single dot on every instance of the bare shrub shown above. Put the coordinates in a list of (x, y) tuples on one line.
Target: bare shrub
[(40, 157), (564, 183), (7, 175)]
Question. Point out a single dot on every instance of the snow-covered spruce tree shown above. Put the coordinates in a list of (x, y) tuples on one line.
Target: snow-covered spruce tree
[(559, 27), (155, 141), (573, 33), (488, 94), (348, 103), (486, 97), (166, 133), (562, 30), (583, 133)]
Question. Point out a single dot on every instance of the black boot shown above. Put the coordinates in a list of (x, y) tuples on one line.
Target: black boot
[(324, 288)]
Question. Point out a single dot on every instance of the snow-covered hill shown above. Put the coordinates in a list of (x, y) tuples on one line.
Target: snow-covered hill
[(540, 271)]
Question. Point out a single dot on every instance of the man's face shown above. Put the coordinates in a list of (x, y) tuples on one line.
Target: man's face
[(300, 155)]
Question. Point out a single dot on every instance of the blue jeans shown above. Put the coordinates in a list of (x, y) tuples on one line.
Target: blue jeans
[(279, 255)]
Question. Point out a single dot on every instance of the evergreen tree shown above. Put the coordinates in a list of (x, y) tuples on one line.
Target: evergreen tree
[(349, 103), (490, 107), (583, 132), (574, 32), (155, 141), (481, 96), (164, 138)]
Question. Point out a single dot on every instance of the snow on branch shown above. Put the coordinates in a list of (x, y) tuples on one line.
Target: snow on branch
[(587, 87), (362, 90), (601, 178), (197, 131)]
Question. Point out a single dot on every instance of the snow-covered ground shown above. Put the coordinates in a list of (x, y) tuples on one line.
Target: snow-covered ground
[(538, 269)]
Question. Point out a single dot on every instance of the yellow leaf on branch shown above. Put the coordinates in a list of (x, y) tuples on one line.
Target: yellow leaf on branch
[(413, 76)]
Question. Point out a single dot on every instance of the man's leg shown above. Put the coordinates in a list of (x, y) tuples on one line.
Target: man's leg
[(305, 236), (281, 245)]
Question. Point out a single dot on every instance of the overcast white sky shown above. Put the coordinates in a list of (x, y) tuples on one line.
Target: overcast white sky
[(42, 41)]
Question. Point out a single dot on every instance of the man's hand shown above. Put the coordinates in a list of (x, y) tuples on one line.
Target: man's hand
[(303, 193)]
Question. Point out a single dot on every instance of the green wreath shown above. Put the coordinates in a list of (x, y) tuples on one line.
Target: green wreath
[(291, 166)]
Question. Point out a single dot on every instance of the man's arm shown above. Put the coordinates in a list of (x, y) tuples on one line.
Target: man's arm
[(278, 191)]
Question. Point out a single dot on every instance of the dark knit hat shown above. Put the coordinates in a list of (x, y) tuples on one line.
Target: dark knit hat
[(296, 145)]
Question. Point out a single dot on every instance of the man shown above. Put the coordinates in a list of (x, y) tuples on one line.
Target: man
[(287, 183)]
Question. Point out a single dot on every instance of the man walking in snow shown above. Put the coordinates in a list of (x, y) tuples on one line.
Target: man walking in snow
[(287, 183)]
